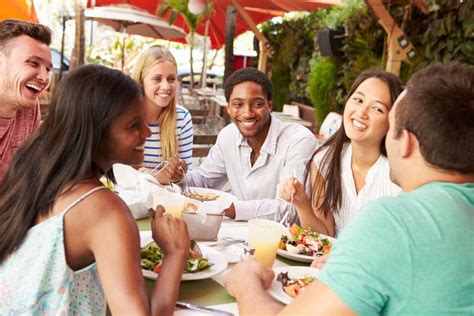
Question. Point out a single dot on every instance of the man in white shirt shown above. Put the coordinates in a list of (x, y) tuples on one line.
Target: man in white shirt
[(405, 255), (256, 152)]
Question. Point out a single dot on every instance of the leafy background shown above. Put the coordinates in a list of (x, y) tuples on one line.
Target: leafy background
[(300, 73)]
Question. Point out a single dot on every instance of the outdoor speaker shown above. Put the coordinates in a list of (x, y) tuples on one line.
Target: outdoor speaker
[(330, 42)]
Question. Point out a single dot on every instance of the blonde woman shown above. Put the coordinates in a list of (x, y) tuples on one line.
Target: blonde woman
[(171, 124)]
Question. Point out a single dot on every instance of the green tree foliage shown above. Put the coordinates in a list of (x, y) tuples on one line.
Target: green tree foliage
[(293, 42), (322, 84), (173, 8), (447, 33)]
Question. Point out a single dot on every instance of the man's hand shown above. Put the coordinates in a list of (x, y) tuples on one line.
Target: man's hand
[(230, 211), (170, 233), (246, 274)]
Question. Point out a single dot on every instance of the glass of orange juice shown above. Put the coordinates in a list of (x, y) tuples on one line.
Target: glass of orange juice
[(264, 237)]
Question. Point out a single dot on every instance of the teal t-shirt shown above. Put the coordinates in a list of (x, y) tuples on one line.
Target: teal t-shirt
[(408, 255)]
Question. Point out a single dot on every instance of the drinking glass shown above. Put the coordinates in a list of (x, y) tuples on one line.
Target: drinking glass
[(264, 237), (173, 203)]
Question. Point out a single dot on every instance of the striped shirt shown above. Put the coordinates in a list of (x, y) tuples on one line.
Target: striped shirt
[(377, 184), (184, 135)]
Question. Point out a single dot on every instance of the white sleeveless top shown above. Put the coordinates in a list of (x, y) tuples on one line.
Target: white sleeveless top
[(377, 184), (36, 280)]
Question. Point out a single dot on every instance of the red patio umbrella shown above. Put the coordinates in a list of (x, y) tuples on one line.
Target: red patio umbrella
[(259, 11)]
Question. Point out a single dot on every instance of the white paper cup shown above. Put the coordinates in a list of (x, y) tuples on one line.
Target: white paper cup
[(173, 203), (264, 237)]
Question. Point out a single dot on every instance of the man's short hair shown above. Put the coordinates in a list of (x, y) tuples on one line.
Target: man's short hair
[(248, 74), (10, 29), (439, 109)]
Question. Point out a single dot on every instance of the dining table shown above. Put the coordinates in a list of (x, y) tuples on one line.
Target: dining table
[(210, 292)]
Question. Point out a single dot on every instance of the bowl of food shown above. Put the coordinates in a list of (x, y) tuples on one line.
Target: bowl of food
[(202, 226)]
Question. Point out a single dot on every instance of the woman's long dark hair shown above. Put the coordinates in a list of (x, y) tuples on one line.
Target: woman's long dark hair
[(330, 186), (61, 152)]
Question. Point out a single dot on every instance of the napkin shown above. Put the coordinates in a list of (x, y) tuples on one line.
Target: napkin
[(211, 207), (135, 189), (161, 196)]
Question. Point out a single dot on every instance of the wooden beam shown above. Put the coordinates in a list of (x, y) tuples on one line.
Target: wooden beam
[(266, 50), (306, 5), (259, 35), (398, 45), (262, 59)]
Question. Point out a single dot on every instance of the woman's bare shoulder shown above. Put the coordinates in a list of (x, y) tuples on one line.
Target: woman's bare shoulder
[(102, 206)]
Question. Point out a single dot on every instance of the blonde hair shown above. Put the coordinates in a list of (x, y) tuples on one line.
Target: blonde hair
[(167, 118)]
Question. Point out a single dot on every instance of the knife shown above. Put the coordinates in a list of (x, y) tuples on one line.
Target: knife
[(203, 308), (226, 243)]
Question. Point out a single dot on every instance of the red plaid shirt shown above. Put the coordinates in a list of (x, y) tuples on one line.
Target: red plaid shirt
[(13, 132)]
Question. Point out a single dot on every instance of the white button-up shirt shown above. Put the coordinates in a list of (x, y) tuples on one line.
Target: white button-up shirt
[(377, 184), (285, 153)]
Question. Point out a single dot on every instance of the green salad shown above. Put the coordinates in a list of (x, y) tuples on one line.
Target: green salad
[(152, 258)]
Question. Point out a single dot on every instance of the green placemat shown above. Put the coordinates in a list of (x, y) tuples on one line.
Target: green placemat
[(202, 292), (144, 223)]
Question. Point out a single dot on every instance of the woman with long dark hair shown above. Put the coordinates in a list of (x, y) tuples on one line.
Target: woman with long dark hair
[(351, 168), (68, 243)]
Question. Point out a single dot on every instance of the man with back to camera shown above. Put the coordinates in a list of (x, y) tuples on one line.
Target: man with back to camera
[(256, 152), (410, 254), (25, 61)]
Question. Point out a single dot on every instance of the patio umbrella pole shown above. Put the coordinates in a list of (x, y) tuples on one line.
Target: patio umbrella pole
[(204, 58), (62, 48)]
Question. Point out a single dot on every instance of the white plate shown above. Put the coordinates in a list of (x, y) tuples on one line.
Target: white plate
[(276, 288), (218, 260), (223, 196), (232, 253), (302, 258)]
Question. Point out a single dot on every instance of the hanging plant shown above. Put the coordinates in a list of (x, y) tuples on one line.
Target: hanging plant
[(322, 86)]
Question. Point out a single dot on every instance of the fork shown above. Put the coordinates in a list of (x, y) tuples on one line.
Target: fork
[(284, 219), (195, 247), (185, 185)]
